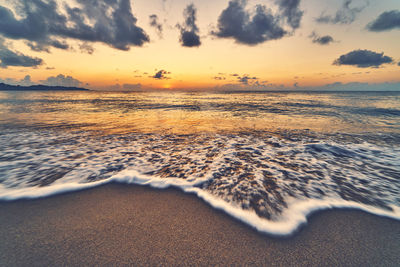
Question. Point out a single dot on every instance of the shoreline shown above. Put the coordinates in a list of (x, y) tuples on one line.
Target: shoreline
[(130, 224)]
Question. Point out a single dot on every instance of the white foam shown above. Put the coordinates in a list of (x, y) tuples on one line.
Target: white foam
[(290, 220), (289, 179), (8, 194)]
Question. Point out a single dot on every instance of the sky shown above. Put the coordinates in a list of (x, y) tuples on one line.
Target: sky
[(202, 44)]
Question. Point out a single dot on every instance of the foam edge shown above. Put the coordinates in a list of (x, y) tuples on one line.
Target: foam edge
[(292, 218)]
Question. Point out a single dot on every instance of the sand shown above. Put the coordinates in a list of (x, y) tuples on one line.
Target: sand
[(133, 225)]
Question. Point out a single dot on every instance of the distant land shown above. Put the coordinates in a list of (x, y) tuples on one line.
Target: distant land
[(39, 87)]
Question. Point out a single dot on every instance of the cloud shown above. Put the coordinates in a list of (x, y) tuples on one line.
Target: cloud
[(386, 21), (42, 23), (160, 75), (44, 46), (398, 64), (363, 59), (86, 48), (290, 10), (26, 81), (61, 80), (245, 28), (322, 40), (189, 30), (156, 24), (336, 86), (345, 15), (358, 86), (245, 79), (15, 58), (60, 44)]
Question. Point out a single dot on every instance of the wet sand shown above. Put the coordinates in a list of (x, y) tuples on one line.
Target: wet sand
[(133, 225)]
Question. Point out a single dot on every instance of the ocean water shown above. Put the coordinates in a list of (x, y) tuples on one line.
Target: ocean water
[(268, 159)]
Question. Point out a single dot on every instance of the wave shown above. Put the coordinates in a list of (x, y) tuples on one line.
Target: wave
[(271, 181), (292, 219)]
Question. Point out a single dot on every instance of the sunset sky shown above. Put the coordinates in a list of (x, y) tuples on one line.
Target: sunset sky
[(201, 44)]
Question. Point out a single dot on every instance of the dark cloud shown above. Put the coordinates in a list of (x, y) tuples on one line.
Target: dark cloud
[(345, 15), (386, 21), (86, 48), (38, 47), (59, 44), (251, 29), (218, 78), (113, 24), (42, 23), (61, 80), (363, 59), (290, 10), (189, 30), (398, 64), (322, 40), (245, 79), (156, 24), (44, 46), (160, 75), (15, 58)]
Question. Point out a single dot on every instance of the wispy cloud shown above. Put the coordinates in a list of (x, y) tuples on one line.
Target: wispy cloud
[(154, 22), (345, 15)]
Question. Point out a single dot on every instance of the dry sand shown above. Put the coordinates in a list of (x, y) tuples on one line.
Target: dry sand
[(132, 225)]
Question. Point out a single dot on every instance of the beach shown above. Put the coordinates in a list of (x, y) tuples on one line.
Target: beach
[(176, 133), (134, 225)]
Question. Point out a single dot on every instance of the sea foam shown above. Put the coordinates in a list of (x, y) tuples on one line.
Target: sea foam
[(294, 216), (269, 181)]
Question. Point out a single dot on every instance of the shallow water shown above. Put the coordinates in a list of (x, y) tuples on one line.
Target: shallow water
[(268, 159)]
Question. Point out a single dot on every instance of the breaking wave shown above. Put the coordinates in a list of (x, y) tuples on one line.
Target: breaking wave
[(269, 180)]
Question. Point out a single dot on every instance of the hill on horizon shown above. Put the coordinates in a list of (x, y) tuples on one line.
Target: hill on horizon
[(39, 87)]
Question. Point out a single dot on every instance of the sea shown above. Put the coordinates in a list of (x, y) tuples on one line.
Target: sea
[(268, 159)]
